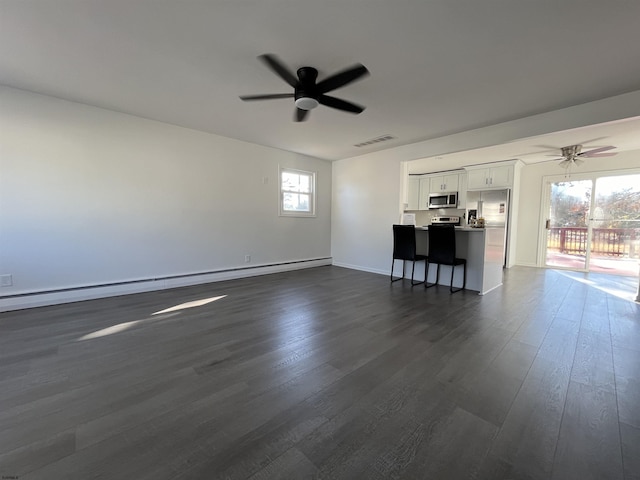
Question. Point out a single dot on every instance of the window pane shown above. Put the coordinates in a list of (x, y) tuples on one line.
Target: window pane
[(615, 239), (295, 202), (294, 182), (305, 183), (617, 202), (289, 180), (570, 202)]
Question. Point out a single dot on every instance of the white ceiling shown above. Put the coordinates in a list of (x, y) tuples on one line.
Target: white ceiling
[(437, 66)]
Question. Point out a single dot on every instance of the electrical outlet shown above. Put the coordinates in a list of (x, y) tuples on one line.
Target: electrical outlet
[(6, 280), (247, 258)]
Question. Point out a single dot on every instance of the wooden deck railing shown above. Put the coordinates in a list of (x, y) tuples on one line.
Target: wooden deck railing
[(612, 242)]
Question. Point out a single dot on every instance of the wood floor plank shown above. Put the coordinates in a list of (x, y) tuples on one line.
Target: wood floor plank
[(624, 320), (291, 464), (589, 441), (42, 451), (473, 356), (529, 435), (325, 373), (595, 315), (630, 438), (455, 450), (365, 428), (593, 363), (257, 449), (627, 376), (365, 442), (490, 394)]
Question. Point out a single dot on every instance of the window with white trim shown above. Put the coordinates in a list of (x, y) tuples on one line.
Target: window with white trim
[(297, 193)]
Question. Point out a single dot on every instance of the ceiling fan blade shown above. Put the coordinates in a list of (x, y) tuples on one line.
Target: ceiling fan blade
[(588, 153), (599, 155), (334, 102), (342, 78), (593, 140), (300, 115), (278, 67), (270, 96), (547, 161)]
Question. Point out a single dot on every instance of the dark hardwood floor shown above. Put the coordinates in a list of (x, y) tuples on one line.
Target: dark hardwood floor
[(326, 373)]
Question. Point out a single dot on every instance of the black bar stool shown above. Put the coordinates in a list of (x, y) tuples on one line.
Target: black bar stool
[(404, 248), (442, 251)]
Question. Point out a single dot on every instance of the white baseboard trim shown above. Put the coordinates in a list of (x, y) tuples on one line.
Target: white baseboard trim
[(524, 264), (490, 290), (362, 269), (39, 299)]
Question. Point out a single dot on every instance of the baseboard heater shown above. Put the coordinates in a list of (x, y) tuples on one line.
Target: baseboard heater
[(87, 292)]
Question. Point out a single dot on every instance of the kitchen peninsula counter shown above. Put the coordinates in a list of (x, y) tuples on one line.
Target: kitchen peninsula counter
[(483, 248)]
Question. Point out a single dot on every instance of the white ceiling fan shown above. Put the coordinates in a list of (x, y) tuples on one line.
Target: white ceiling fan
[(573, 154)]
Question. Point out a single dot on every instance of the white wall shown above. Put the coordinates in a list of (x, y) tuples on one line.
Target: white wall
[(89, 196), (366, 188), (366, 202), (531, 188)]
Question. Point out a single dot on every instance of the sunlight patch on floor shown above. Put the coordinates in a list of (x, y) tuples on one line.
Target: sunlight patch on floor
[(194, 303), (620, 286), (121, 327)]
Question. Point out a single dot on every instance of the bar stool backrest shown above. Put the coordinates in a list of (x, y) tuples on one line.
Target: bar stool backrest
[(442, 244), (404, 242)]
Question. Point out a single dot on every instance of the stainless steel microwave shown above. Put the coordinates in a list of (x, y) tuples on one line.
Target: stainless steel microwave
[(443, 200)]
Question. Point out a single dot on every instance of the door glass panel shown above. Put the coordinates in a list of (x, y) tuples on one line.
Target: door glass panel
[(615, 239), (567, 232)]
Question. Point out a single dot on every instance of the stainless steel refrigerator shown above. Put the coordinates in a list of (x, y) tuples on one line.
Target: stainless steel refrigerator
[(493, 206)]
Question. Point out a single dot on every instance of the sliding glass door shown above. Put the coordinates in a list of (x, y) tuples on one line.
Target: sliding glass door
[(615, 225), (567, 224), (593, 224)]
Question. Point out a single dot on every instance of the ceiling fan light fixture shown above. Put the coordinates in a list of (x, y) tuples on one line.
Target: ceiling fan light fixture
[(565, 164), (306, 103)]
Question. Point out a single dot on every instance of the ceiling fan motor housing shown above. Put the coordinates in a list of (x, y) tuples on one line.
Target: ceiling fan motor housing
[(306, 95), (571, 151)]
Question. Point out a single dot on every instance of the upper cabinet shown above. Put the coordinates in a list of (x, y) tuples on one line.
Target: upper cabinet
[(424, 193), (418, 188), (462, 191), (444, 183), (417, 192), (413, 195), (486, 177)]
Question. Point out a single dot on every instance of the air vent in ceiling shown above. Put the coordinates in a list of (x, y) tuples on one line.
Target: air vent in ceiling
[(381, 138)]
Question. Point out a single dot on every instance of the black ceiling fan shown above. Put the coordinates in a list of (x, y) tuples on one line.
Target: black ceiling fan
[(307, 93)]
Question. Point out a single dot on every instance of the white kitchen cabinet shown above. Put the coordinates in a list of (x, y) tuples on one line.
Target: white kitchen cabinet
[(424, 193), (413, 192), (444, 183), (420, 186), (483, 178), (501, 176), (462, 191)]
